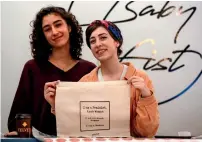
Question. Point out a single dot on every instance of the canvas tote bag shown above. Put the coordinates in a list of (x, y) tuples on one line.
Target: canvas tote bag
[(93, 109)]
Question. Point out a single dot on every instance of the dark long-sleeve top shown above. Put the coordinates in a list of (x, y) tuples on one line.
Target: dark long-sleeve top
[(29, 97)]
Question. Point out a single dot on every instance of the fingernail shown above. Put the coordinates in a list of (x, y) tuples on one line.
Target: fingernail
[(57, 82)]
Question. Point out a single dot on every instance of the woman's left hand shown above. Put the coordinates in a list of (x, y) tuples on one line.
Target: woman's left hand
[(139, 83)]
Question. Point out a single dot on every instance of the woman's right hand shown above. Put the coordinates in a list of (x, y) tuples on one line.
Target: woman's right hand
[(11, 134), (49, 93)]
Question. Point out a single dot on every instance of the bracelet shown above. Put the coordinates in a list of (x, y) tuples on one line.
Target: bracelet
[(53, 110)]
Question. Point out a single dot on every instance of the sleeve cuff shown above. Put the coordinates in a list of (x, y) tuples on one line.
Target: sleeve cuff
[(146, 101)]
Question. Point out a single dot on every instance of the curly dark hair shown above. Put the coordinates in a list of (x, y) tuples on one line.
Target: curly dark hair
[(113, 30), (41, 49)]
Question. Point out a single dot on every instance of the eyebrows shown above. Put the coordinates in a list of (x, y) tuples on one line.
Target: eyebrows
[(55, 22), (99, 35)]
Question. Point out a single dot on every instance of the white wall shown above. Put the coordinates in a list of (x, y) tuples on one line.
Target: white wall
[(0, 62), (182, 113)]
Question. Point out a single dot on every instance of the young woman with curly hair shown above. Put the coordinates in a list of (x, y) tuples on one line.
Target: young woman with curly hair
[(56, 42)]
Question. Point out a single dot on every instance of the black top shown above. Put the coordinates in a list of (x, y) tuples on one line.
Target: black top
[(29, 97)]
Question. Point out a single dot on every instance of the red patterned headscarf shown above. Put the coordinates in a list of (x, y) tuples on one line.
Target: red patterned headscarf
[(113, 30)]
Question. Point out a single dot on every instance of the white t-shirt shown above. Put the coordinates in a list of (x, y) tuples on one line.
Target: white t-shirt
[(100, 77)]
